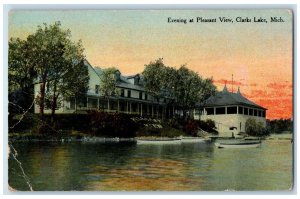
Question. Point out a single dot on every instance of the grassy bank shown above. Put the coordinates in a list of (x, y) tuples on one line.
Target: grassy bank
[(101, 124)]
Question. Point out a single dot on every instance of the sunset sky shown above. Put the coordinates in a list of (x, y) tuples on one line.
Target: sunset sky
[(259, 55)]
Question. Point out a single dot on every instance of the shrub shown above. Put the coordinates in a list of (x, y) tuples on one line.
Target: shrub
[(208, 126), (111, 125), (24, 123), (254, 128), (191, 127)]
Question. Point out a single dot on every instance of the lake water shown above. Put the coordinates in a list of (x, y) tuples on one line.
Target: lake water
[(55, 166)]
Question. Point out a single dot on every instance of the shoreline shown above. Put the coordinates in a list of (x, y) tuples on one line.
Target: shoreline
[(76, 138)]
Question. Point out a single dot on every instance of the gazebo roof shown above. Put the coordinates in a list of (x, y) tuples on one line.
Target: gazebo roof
[(225, 98)]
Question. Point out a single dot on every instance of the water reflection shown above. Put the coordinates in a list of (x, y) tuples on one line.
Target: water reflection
[(128, 166)]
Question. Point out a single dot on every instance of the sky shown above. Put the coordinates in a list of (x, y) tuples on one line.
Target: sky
[(258, 55)]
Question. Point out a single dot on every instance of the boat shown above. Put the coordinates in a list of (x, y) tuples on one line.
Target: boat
[(238, 143), (158, 141), (193, 139)]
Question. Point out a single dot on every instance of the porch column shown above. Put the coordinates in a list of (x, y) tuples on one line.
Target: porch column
[(157, 109), (130, 107), (98, 103), (173, 110), (107, 105), (118, 105), (148, 109), (87, 102), (152, 111)]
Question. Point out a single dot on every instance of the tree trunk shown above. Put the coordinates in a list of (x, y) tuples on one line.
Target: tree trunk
[(42, 97), (184, 114), (54, 103), (108, 105), (118, 106), (75, 105)]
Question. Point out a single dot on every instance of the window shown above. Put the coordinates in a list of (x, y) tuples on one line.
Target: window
[(122, 92), (246, 111), (240, 110), (255, 112), (231, 110), (259, 114), (129, 93), (210, 111), (264, 114), (141, 95), (250, 111), (92, 103), (96, 89), (146, 96), (220, 110), (72, 103)]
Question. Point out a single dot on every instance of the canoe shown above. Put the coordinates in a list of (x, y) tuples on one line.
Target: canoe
[(193, 139), (159, 141), (238, 144)]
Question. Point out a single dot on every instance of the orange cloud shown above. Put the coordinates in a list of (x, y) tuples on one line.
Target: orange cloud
[(277, 97), (228, 82), (275, 85)]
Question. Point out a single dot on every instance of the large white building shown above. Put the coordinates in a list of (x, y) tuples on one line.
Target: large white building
[(130, 98), (230, 112)]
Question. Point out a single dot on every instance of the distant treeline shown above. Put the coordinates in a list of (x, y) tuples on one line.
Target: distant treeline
[(280, 125)]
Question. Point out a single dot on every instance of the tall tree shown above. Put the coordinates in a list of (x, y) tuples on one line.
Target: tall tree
[(192, 89), (75, 83), (72, 85), (49, 58), (53, 54), (108, 83), (20, 75), (69, 77), (186, 87)]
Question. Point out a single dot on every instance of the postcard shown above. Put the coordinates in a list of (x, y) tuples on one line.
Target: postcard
[(150, 100)]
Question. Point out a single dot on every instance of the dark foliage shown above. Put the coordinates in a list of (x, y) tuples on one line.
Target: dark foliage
[(208, 126), (254, 128), (191, 127), (280, 125), (79, 122), (111, 125), (27, 122)]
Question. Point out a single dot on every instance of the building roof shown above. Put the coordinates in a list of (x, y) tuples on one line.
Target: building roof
[(131, 76), (122, 81), (129, 85), (225, 98)]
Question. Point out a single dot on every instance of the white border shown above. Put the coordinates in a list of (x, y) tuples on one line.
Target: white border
[(145, 5)]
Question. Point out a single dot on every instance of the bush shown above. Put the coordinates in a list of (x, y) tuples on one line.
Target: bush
[(278, 126), (191, 127), (111, 125), (69, 121), (254, 128), (208, 126), (24, 123)]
